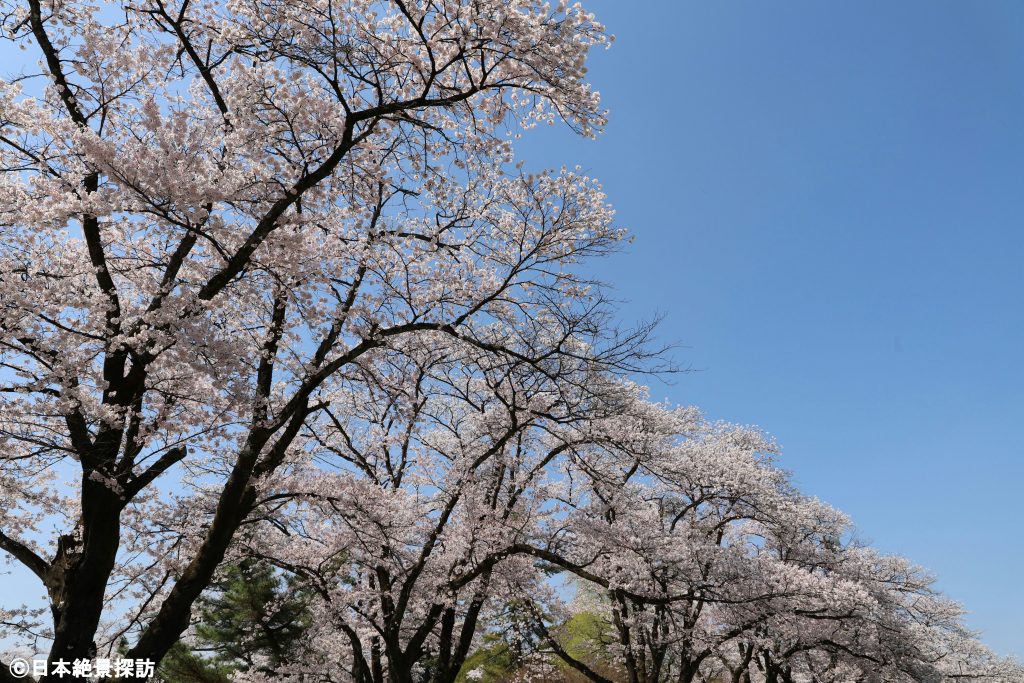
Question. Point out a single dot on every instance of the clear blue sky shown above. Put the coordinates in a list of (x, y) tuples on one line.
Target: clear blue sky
[(827, 203)]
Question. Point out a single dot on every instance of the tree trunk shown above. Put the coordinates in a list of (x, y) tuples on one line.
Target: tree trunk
[(84, 576), (688, 671)]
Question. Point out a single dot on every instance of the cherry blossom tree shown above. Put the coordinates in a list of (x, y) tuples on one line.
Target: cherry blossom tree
[(217, 217), (706, 564), (666, 540), (444, 495)]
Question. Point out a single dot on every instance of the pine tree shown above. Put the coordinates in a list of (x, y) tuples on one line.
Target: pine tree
[(251, 619)]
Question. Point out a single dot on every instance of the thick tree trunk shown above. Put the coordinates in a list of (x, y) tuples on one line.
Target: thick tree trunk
[(688, 671), (83, 579), (376, 661), (443, 670), (400, 670)]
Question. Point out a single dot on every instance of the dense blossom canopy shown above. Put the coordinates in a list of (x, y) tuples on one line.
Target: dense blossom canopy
[(274, 288)]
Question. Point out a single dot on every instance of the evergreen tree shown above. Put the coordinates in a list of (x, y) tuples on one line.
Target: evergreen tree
[(250, 620)]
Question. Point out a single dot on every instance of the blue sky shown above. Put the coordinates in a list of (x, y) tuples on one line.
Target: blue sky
[(826, 200)]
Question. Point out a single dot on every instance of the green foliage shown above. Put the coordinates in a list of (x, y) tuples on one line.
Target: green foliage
[(251, 619), (181, 665), (584, 636), (495, 659), (252, 614)]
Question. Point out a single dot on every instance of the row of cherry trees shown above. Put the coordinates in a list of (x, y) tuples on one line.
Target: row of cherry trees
[(451, 508), (274, 285)]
